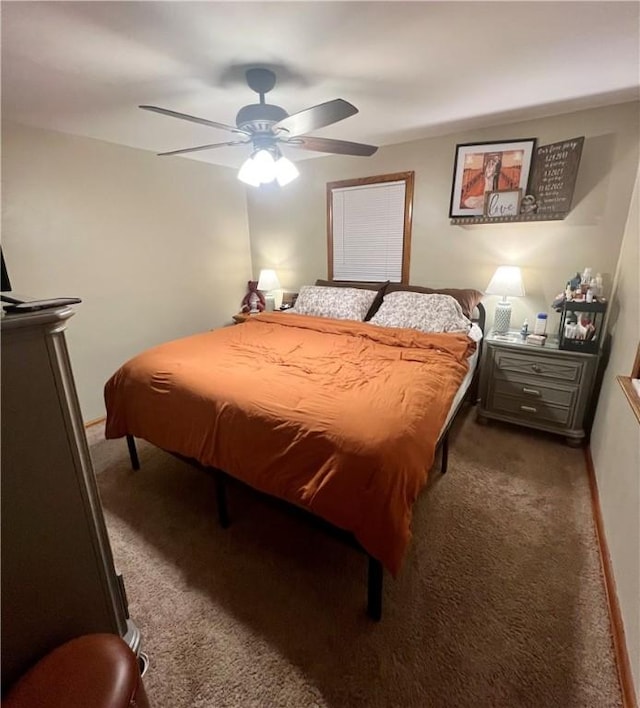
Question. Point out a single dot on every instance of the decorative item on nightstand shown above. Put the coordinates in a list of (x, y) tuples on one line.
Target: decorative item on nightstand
[(269, 284), (253, 301), (506, 281)]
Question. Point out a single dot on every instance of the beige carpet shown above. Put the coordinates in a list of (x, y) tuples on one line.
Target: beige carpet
[(500, 601)]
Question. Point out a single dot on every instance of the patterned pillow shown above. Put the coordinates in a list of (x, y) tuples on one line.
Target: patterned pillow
[(339, 303), (467, 297), (427, 313), (378, 287)]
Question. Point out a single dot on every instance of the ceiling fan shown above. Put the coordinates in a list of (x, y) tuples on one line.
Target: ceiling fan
[(265, 127)]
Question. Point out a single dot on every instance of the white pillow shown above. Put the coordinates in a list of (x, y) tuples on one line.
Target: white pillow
[(339, 303), (427, 313)]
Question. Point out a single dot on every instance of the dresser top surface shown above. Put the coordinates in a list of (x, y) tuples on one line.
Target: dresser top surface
[(513, 339), (39, 318)]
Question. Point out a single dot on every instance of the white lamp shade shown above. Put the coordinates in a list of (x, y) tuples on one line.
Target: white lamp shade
[(249, 174), (506, 281), (265, 166), (268, 280), (286, 171)]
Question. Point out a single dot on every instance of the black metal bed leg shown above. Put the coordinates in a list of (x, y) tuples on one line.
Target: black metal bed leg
[(374, 589), (221, 498), (445, 453), (133, 453)]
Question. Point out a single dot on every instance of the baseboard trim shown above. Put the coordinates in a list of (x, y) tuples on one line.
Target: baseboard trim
[(89, 423), (623, 663)]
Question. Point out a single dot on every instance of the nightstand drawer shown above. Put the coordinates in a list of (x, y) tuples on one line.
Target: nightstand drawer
[(512, 365), (531, 410), (530, 393)]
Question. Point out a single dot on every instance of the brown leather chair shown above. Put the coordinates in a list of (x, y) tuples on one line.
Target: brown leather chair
[(92, 671)]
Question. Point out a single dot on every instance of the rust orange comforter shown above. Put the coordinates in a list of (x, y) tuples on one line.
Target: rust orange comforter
[(339, 417)]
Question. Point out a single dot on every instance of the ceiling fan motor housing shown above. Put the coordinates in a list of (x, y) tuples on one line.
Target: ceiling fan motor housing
[(259, 117)]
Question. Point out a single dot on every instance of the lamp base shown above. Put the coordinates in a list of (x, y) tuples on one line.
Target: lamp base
[(502, 317)]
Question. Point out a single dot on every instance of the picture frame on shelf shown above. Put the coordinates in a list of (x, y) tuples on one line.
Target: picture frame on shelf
[(502, 202), (488, 167)]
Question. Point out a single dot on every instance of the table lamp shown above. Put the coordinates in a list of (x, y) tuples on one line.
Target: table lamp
[(269, 284), (506, 281)]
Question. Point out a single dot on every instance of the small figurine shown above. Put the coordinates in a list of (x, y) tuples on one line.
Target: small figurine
[(568, 293), (575, 282), (528, 204), (253, 301)]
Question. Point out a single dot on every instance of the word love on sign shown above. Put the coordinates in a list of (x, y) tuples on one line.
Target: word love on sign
[(503, 202), (553, 178)]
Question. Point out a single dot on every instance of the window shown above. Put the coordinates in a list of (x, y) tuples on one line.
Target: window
[(369, 228)]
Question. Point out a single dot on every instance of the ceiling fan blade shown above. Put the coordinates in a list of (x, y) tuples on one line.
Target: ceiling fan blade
[(340, 147), (193, 119), (316, 117), (203, 147)]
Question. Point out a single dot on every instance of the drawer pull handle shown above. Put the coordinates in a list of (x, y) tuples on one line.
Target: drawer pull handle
[(532, 391), (536, 368), (529, 409)]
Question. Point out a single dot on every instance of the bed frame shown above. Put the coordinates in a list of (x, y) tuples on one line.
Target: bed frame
[(375, 571)]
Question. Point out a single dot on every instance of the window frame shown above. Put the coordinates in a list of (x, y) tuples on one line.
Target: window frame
[(629, 389), (408, 178)]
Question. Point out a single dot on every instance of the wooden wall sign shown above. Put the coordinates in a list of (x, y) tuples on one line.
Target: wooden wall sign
[(553, 177)]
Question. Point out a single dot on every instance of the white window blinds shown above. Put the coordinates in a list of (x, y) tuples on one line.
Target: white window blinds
[(368, 231)]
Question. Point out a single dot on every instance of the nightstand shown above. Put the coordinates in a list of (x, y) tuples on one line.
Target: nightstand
[(243, 316), (538, 386)]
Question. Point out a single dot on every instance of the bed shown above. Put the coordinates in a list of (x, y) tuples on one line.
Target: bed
[(339, 416)]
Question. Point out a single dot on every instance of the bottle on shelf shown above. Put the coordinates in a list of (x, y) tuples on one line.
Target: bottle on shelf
[(540, 326), (585, 281), (599, 288), (525, 329)]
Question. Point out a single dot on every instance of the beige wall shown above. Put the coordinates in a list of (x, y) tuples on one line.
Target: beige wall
[(615, 441), (157, 248), (288, 227)]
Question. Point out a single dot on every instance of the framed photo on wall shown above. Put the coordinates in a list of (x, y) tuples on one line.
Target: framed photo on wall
[(488, 167)]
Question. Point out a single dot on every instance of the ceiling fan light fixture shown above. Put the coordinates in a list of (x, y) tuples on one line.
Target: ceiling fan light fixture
[(259, 169), (286, 171), (248, 173), (262, 168)]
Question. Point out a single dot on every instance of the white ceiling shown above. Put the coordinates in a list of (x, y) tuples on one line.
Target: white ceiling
[(414, 69)]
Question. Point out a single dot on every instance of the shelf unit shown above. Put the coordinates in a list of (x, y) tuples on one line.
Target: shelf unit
[(464, 220)]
